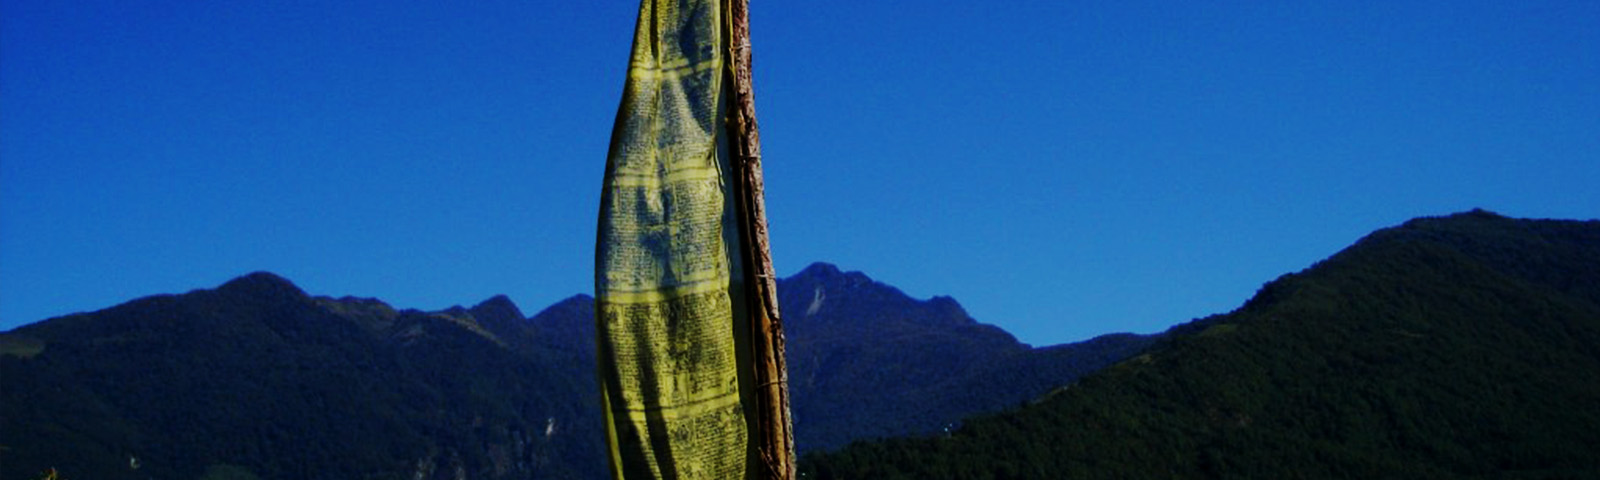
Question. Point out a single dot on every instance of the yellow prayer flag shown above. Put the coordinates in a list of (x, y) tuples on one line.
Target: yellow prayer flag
[(668, 282)]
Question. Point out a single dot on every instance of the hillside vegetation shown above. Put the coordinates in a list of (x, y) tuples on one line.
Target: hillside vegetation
[(1458, 347)]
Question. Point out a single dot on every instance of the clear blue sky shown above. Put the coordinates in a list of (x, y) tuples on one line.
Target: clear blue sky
[(1063, 169)]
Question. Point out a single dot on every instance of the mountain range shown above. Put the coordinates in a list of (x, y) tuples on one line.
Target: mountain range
[(258, 379), (1465, 346)]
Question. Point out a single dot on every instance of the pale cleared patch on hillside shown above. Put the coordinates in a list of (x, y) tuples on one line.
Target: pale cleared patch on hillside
[(20, 346)]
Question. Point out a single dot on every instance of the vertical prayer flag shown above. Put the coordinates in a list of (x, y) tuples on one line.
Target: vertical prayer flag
[(671, 314)]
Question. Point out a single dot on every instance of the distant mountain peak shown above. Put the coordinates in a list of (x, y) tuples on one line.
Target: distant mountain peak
[(581, 302), (498, 306), (568, 324), (819, 269), (262, 284), (950, 308), (579, 305), (1475, 215), (1480, 213), (830, 274)]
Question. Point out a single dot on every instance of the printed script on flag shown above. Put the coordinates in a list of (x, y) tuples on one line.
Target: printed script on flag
[(668, 286)]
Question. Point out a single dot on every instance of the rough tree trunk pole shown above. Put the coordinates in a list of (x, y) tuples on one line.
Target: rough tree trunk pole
[(774, 432)]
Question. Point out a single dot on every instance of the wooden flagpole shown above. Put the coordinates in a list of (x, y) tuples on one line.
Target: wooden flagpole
[(774, 433)]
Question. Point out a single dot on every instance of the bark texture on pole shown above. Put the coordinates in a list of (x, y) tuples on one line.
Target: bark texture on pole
[(774, 432)]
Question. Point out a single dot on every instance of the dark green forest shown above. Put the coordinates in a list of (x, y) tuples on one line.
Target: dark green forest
[(1465, 346)]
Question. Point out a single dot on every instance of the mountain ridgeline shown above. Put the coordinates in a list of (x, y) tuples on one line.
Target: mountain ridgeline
[(257, 379), (1465, 346), (256, 376)]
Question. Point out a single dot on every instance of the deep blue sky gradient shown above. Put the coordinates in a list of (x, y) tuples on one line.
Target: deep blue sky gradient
[(1063, 169)]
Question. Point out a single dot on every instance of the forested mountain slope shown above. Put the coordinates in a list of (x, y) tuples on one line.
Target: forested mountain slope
[(1459, 347)]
